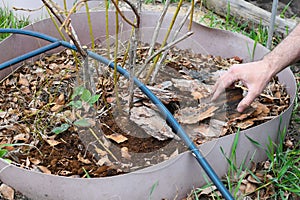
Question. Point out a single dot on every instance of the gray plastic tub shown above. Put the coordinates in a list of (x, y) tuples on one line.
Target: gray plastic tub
[(174, 177)]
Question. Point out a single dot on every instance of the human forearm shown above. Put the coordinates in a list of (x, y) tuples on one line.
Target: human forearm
[(286, 53)]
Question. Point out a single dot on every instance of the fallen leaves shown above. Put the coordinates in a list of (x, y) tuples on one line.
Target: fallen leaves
[(7, 192), (118, 138), (35, 109)]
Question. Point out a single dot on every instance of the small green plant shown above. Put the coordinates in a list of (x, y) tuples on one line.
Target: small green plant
[(81, 97), (4, 152)]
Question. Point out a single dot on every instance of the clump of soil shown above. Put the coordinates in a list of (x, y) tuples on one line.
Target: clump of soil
[(52, 126)]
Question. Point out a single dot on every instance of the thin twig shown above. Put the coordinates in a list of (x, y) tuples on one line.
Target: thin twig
[(178, 29), (125, 18), (170, 45), (90, 25), (27, 10), (132, 62), (61, 20), (158, 26), (107, 29), (192, 15), (164, 41), (116, 57)]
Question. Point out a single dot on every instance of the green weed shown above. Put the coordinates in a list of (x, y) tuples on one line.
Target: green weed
[(81, 97), (9, 20)]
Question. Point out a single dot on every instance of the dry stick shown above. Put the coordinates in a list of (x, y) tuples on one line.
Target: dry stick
[(62, 35), (158, 26), (133, 55), (192, 15), (90, 25), (132, 62), (65, 7), (122, 15), (27, 10), (168, 46), (164, 41), (178, 29), (70, 34), (116, 56), (107, 29)]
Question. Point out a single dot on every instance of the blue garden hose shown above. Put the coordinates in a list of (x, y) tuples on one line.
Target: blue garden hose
[(164, 111)]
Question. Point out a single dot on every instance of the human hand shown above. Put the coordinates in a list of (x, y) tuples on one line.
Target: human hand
[(255, 76)]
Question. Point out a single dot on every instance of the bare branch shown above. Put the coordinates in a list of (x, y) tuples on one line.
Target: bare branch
[(170, 45)]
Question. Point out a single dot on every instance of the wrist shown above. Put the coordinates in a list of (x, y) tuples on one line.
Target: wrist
[(272, 66)]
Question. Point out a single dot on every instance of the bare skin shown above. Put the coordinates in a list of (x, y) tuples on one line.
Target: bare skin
[(256, 75)]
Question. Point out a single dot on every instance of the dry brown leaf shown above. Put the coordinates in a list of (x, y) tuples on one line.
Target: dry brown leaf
[(242, 188), (289, 143), (56, 108), (245, 124), (25, 90), (253, 180), (267, 165), (44, 169), (83, 160), (52, 142), (241, 116), (278, 94), (104, 161), (21, 137), (7, 192), (100, 152), (100, 170), (3, 114), (125, 154), (23, 80), (27, 162), (208, 190), (60, 100), (35, 161), (261, 110), (118, 138), (250, 187), (9, 148)]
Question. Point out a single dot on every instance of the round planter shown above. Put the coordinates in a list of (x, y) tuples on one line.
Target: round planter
[(174, 177)]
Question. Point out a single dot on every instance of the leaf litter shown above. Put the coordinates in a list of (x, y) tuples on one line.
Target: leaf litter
[(36, 109)]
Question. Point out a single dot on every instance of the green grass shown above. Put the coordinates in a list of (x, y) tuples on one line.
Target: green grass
[(281, 175), (256, 32), (9, 20)]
